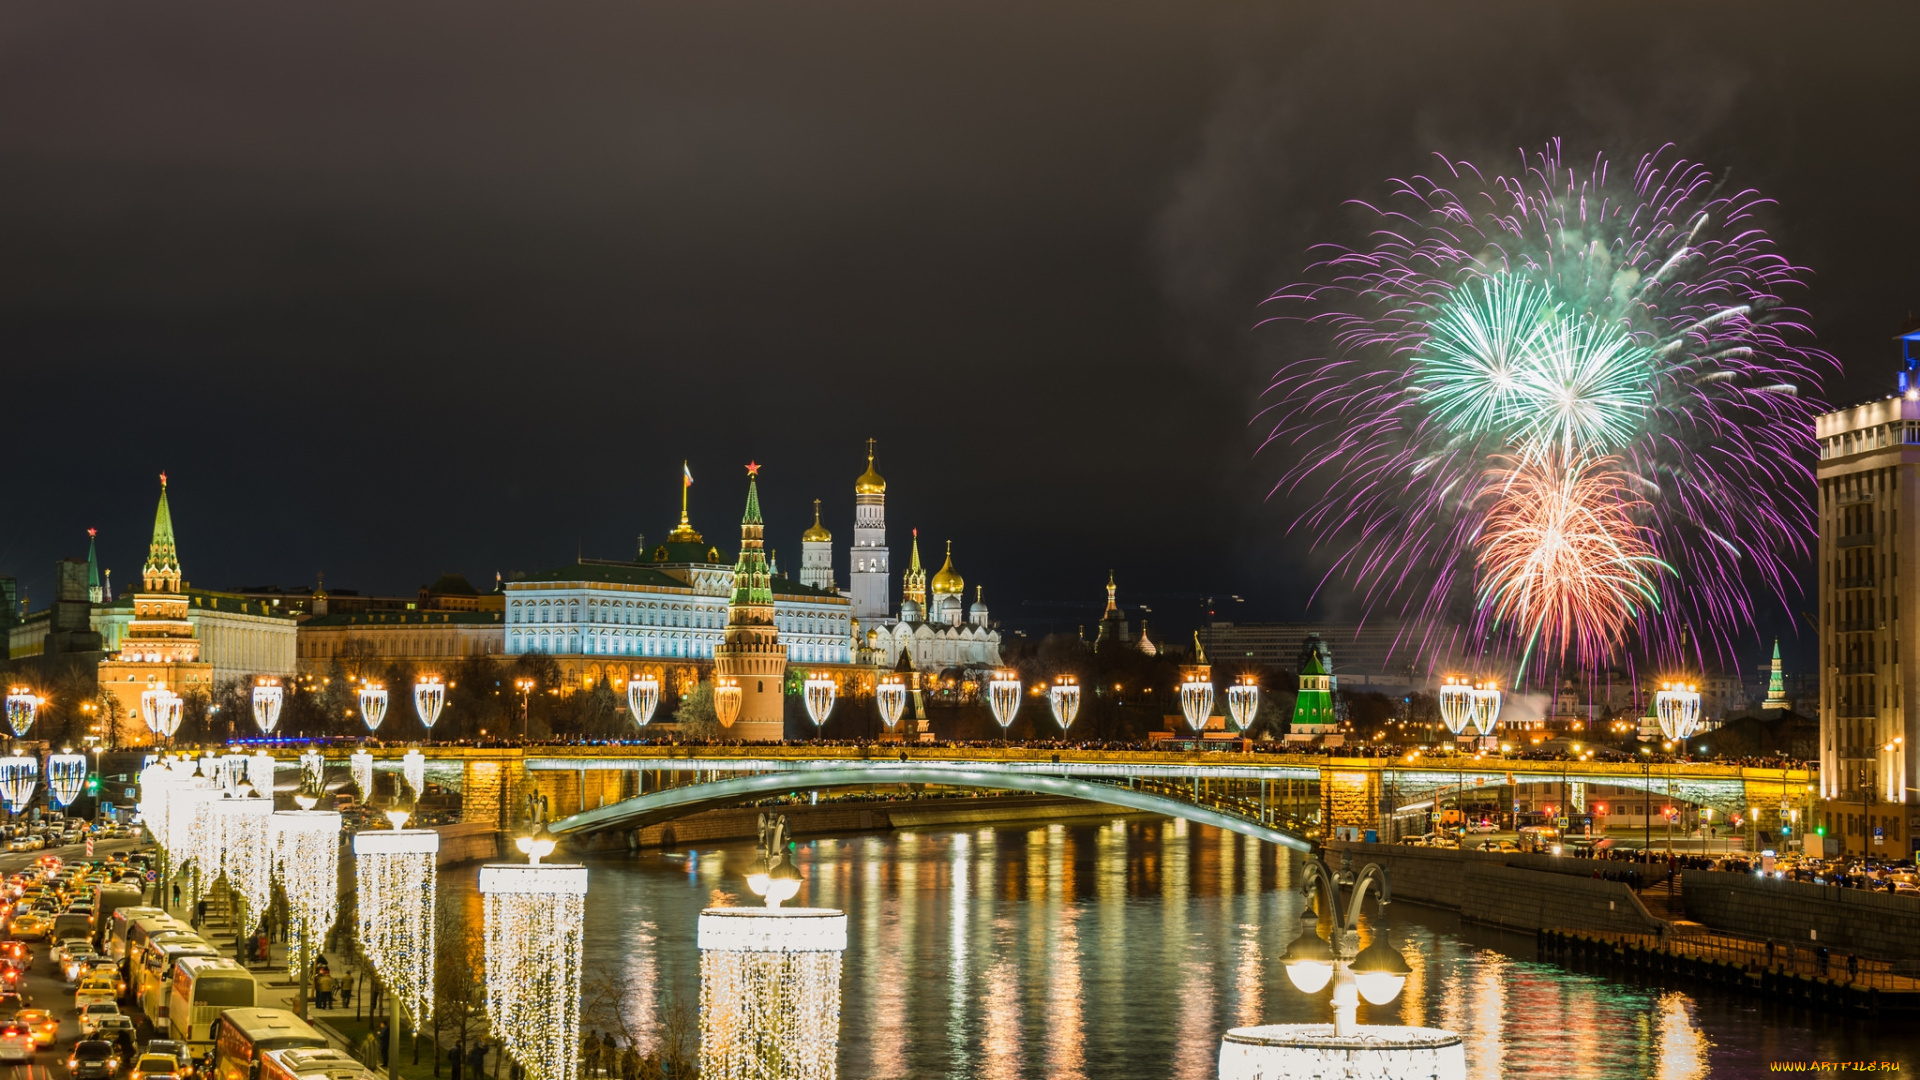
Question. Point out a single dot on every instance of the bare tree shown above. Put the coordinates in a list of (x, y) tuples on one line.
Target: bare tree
[(695, 714), (459, 978)]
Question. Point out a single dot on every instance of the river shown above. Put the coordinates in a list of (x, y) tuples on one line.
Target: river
[(1126, 947)]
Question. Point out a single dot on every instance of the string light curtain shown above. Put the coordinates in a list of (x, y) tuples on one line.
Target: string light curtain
[(260, 774), (306, 859), (533, 948), (770, 993), (395, 873), (246, 858), (202, 836)]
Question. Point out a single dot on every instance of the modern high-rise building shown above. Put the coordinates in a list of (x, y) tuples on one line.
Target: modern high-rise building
[(1869, 487)]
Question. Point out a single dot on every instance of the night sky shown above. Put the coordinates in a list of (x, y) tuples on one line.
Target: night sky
[(391, 290)]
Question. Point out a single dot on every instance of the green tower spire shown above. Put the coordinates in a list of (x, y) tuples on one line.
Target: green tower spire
[(162, 572), (94, 592), (1776, 682), (752, 581)]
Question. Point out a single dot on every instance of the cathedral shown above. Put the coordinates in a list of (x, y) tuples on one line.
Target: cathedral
[(934, 626)]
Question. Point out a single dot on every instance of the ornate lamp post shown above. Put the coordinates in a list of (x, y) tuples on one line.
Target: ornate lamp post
[(533, 914), (890, 694), (1196, 695), (306, 860), (395, 871), (727, 699), (819, 695), (770, 977), (1243, 702), (66, 777), (1064, 697), (525, 686), (643, 696), (268, 696), (161, 708), (23, 705), (1376, 974), (1678, 707), (373, 705), (1003, 693), (19, 775), (429, 697)]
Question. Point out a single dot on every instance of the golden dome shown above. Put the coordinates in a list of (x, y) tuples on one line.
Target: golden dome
[(870, 482), (816, 535), (948, 581)]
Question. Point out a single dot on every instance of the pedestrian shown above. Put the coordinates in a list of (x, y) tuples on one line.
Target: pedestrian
[(1820, 956), (456, 1059), (176, 894), (590, 1053), (384, 1035), (1853, 967), (346, 992), (476, 1057), (323, 990), (200, 912)]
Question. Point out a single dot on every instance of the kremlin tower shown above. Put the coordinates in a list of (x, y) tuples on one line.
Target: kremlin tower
[(159, 648), (816, 554), (870, 580), (750, 652)]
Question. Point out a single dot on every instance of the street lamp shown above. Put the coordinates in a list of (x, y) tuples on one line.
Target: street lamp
[(727, 699), (819, 692), (429, 697), (1003, 693), (890, 694), (643, 696), (23, 705), (373, 704), (161, 709), (1377, 973), (268, 696), (1678, 707), (1196, 696), (525, 686), (1065, 700), (1243, 701)]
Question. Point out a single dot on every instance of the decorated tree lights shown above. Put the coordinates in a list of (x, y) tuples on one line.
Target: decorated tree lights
[(1344, 1049), (1677, 705), (770, 977), (1064, 698), (429, 697), (1003, 694), (23, 705), (268, 697), (66, 777), (820, 692), (533, 915), (306, 860), (395, 871), (643, 696)]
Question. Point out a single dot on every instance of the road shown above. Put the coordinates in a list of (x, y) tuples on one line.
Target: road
[(45, 989)]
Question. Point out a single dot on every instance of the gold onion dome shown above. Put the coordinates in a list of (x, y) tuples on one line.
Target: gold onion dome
[(817, 534), (948, 580), (870, 482)]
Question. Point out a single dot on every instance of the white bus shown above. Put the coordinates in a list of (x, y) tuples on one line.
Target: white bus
[(327, 1064), (153, 972), (128, 937), (242, 1037), (203, 988)]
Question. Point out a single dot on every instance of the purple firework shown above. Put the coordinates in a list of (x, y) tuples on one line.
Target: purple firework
[(1717, 443)]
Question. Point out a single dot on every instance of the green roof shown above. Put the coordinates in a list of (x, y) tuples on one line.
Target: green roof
[(452, 585), (403, 618), (205, 600), (610, 572), (687, 552)]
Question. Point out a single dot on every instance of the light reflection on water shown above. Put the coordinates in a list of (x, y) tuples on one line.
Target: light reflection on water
[(1127, 948)]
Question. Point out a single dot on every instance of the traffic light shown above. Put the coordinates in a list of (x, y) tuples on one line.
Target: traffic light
[(1819, 830)]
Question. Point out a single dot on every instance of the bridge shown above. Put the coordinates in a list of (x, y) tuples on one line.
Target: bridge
[(1277, 797)]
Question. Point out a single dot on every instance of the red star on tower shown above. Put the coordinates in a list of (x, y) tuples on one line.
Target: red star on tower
[(753, 469)]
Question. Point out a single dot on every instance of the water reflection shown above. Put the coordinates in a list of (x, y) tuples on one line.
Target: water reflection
[(1126, 948)]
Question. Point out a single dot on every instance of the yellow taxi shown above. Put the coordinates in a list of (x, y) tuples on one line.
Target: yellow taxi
[(44, 1025), (31, 927)]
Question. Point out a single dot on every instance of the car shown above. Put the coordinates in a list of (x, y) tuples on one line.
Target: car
[(31, 927), (80, 963), (93, 1059), (21, 843), (104, 968), (44, 1025), (16, 951), (17, 1043), (157, 1067), (1483, 827), (96, 985), (111, 1028), (63, 950), (92, 1013), (11, 1003)]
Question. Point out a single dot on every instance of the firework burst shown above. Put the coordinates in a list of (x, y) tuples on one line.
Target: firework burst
[(1556, 315)]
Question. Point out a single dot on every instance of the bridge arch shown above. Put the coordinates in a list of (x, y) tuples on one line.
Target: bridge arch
[(669, 803)]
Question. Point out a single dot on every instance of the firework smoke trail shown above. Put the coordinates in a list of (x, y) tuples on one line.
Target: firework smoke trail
[(1561, 558), (1693, 364)]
